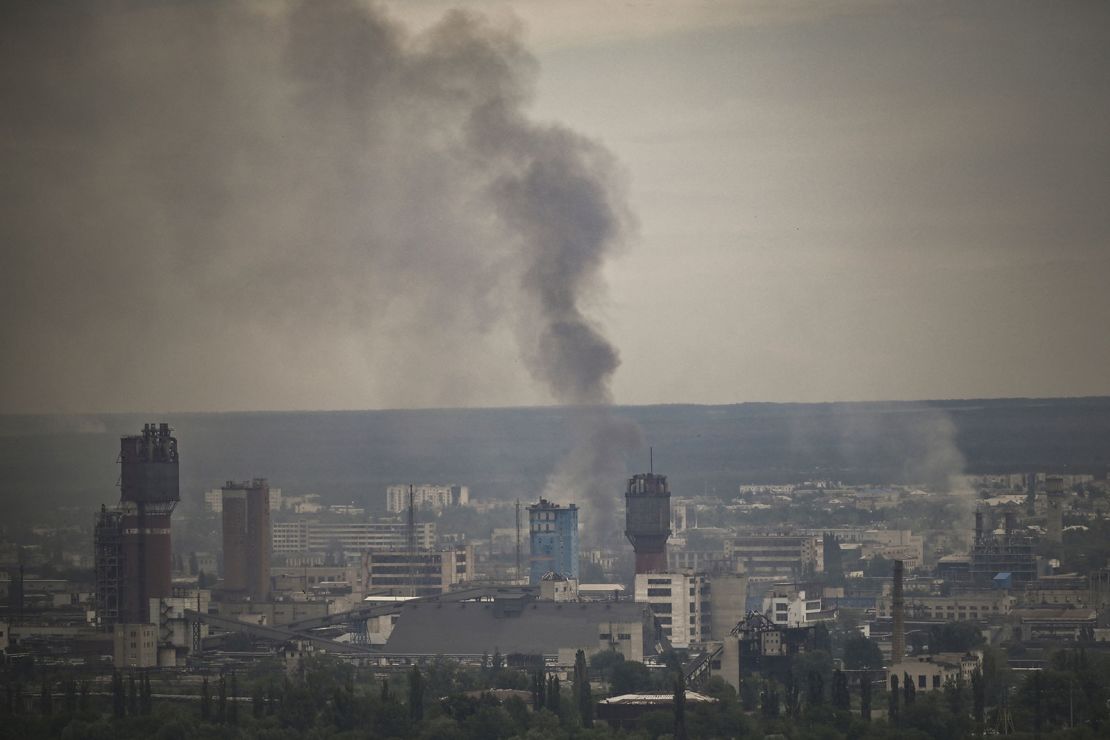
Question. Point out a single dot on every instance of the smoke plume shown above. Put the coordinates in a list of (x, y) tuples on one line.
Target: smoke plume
[(235, 205), (304, 205)]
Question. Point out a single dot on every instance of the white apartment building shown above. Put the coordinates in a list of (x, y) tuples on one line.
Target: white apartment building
[(302, 536), (425, 496), (680, 603)]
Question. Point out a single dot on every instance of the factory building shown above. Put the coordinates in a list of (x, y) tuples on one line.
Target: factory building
[(681, 604), (353, 537), (132, 554), (553, 539), (523, 626), (648, 520), (776, 557), (419, 573), (1009, 554), (246, 539)]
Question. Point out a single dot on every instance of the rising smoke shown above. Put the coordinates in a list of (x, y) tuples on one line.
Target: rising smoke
[(237, 205)]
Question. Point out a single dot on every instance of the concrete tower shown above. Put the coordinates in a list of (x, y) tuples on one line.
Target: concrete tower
[(149, 491), (246, 539), (648, 520)]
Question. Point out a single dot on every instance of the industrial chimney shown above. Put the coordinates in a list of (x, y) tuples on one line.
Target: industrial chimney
[(148, 493), (648, 520), (898, 637)]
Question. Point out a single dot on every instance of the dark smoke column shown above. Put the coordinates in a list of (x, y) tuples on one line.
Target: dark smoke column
[(148, 493), (648, 520)]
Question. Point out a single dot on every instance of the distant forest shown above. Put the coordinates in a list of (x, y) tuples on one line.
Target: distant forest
[(505, 453)]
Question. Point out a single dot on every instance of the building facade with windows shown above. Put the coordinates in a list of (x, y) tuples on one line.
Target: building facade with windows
[(681, 604), (425, 496), (553, 540), (315, 536)]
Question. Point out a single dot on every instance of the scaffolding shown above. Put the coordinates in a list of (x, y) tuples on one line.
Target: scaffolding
[(108, 556)]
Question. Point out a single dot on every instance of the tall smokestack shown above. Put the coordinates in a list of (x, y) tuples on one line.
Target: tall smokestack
[(898, 637), (149, 491), (978, 527), (648, 520)]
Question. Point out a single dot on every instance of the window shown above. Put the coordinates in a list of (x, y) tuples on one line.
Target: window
[(659, 592), (921, 681), (605, 636), (624, 636), (936, 682)]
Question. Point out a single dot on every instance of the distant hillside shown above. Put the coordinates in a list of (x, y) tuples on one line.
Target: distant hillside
[(508, 452)]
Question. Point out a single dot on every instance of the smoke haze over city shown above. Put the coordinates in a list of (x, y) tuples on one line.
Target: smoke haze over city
[(346, 205)]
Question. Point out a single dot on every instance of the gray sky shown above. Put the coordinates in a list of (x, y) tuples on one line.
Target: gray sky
[(885, 201)]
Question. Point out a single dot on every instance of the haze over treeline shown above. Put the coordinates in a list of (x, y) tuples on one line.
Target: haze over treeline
[(505, 453)]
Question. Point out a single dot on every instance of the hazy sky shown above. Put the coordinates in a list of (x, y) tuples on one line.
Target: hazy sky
[(888, 201)]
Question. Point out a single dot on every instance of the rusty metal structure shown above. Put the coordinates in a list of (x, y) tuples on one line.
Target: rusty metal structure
[(133, 558), (648, 520)]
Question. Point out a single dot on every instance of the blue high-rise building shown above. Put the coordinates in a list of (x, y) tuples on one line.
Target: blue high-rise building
[(553, 535)]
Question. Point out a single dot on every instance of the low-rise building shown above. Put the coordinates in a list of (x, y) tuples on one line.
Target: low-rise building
[(135, 646), (955, 608), (934, 672), (523, 626)]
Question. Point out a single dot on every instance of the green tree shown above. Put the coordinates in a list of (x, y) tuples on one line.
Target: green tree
[(841, 696), (416, 695), (553, 697), (954, 637), (132, 695), (865, 697), (119, 695), (70, 704), (233, 705), (46, 699), (629, 677), (221, 701), (582, 693), (909, 692), (680, 708), (605, 662), (892, 711), (862, 652), (205, 701)]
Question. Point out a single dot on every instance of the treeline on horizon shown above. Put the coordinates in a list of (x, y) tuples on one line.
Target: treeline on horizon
[(504, 453)]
